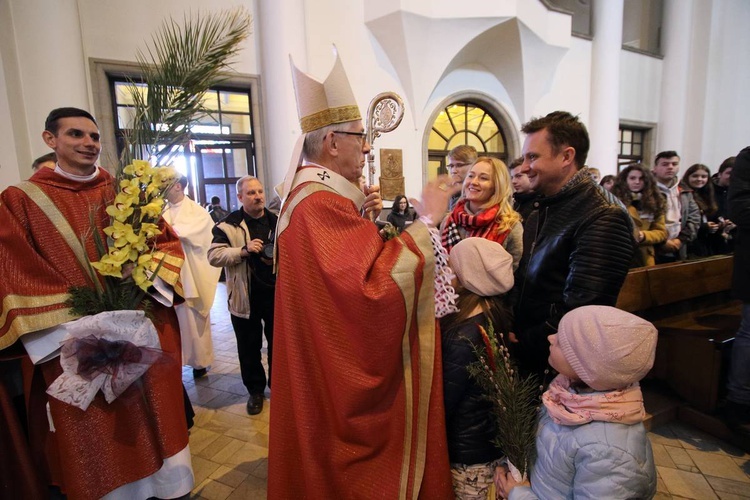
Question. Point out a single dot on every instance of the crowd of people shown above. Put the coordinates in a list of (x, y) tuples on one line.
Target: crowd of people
[(372, 337)]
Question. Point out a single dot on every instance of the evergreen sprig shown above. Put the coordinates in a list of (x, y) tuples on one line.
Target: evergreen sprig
[(515, 399)]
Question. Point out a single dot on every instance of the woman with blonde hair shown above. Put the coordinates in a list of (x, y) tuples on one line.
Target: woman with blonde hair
[(485, 209)]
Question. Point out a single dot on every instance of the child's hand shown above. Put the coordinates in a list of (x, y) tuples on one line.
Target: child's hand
[(504, 481)]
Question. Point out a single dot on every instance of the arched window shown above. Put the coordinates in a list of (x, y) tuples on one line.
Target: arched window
[(464, 123)]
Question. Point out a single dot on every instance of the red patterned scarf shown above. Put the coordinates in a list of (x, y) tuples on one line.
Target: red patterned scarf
[(481, 225)]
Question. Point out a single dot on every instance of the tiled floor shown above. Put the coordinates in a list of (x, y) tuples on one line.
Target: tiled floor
[(230, 448)]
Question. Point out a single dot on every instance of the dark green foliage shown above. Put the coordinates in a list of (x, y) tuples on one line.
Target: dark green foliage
[(515, 400)]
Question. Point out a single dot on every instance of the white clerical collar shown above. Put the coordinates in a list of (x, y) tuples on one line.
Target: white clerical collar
[(77, 178)]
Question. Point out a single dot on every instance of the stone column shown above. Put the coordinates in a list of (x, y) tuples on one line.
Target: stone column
[(676, 47), (281, 28), (604, 119)]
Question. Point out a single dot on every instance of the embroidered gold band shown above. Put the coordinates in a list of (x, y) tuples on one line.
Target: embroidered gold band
[(24, 324), (329, 116), (57, 218)]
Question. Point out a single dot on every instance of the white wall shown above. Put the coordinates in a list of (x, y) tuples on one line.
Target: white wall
[(726, 125), (46, 46), (54, 40)]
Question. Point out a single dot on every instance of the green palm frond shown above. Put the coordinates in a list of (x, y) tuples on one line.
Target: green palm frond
[(182, 62)]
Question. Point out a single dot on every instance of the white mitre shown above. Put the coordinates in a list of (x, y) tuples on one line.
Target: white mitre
[(319, 104)]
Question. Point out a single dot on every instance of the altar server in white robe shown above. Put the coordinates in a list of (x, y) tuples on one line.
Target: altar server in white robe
[(199, 279)]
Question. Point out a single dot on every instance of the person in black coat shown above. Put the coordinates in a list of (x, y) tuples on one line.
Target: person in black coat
[(484, 270), (738, 388)]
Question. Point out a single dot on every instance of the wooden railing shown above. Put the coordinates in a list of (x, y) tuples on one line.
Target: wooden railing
[(690, 304)]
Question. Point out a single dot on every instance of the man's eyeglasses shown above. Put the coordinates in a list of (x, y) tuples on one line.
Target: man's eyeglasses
[(361, 135), (456, 165)]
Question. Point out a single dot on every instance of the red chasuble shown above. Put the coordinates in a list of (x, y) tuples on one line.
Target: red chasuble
[(95, 451), (357, 405)]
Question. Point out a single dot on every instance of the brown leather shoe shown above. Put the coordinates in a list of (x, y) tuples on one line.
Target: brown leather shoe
[(255, 404)]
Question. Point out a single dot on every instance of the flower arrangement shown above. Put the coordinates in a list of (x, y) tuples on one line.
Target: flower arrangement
[(135, 213), (515, 401), (127, 261), (183, 62)]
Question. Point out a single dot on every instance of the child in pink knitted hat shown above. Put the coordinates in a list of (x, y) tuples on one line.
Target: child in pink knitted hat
[(484, 273), (591, 442)]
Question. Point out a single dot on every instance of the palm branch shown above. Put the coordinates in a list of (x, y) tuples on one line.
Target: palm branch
[(182, 62)]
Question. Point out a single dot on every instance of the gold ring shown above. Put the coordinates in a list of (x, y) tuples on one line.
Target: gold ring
[(444, 187)]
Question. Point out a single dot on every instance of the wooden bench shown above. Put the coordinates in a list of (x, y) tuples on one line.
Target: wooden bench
[(690, 304)]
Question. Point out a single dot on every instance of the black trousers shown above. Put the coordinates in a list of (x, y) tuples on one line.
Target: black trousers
[(249, 333)]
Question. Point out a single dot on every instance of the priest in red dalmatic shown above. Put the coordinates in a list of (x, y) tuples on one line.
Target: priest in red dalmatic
[(136, 446), (357, 399)]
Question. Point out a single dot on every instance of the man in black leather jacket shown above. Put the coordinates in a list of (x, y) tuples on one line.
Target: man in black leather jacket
[(578, 240)]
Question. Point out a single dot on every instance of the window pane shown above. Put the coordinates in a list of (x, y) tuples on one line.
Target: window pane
[(125, 117), (211, 100), (638, 136), (235, 124), (236, 162), (627, 136), (473, 140), (456, 140), (637, 149), (474, 118), (433, 168), (436, 142), (208, 124), (234, 101), (443, 126), (234, 203), (457, 112), (219, 190), (626, 149), (488, 129), (213, 164), (496, 144), (123, 92)]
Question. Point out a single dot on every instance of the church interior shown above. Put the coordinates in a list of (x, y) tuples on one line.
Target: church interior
[(644, 76)]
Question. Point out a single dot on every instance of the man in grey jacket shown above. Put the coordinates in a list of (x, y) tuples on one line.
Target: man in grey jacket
[(243, 246), (683, 217)]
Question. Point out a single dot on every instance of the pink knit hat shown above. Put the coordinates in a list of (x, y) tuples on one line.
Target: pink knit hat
[(482, 266), (607, 348)]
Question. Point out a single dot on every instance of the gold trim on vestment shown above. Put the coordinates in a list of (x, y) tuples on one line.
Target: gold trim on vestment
[(169, 276), (403, 274), (23, 323), (341, 114), (58, 220), (427, 341)]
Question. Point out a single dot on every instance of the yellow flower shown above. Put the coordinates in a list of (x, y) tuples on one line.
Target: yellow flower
[(152, 209), (122, 234), (164, 176), (120, 212), (150, 230), (141, 243), (121, 255), (139, 168), (106, 267), (130, 187), (140, 278)]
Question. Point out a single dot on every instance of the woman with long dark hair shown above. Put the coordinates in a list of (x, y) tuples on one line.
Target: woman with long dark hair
[(401, 215), (636, 188), (709, 241)]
